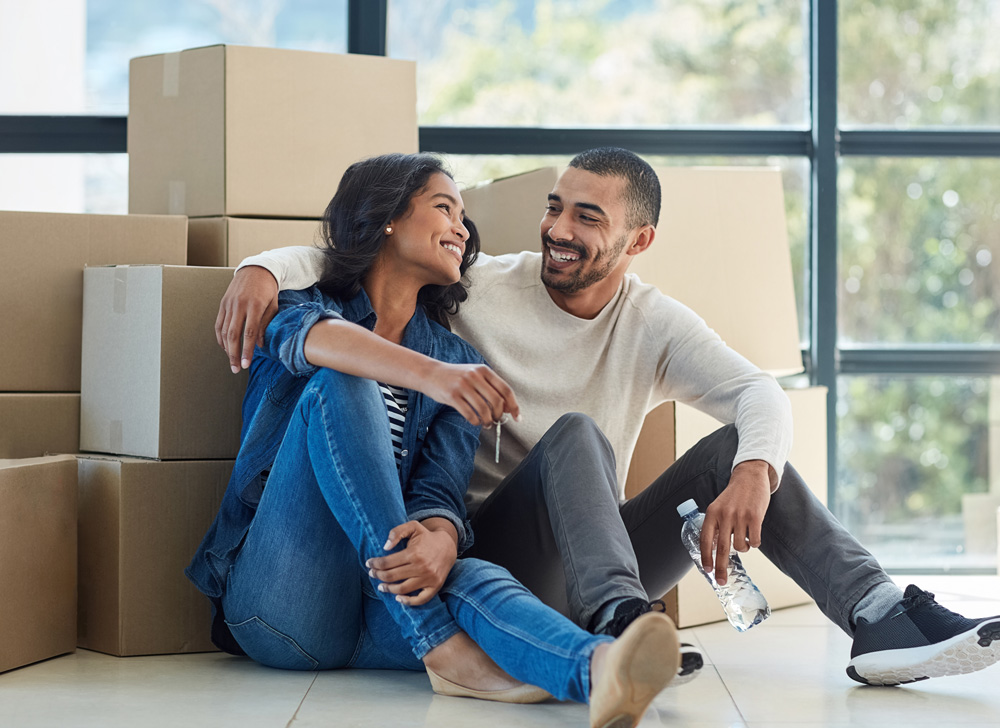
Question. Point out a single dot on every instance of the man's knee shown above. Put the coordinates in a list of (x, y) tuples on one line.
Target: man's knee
[(576, 430)]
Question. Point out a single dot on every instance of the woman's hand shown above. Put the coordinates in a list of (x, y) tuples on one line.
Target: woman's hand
[(421, 567), (478, 393)]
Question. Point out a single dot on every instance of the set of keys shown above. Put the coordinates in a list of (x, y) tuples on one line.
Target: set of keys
[(500, 423)]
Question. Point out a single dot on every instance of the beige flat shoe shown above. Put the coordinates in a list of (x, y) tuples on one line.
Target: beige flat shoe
[(523, 693), (639, 664)]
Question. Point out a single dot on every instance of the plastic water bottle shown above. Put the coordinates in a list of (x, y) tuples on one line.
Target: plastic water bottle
[(745, 606)]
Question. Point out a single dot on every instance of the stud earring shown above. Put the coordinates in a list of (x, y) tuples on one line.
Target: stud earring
[(388, 229)]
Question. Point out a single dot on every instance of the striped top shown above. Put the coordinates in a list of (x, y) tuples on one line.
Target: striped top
[(396, 400)]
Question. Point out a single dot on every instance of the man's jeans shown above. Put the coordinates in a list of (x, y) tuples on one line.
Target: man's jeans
[(552, 523), (299, 597)]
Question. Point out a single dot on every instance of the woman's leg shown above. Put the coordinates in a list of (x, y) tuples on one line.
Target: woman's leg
[(295, 595), (529, 640)]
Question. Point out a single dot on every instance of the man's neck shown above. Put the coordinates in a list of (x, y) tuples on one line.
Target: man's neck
[(589, 302)]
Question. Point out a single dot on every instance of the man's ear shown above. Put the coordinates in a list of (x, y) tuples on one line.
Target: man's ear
[(643, 239)]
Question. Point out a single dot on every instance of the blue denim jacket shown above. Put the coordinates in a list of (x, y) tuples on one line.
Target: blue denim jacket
[(439, 444)]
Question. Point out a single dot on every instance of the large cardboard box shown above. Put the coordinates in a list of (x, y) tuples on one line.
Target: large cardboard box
[(140, 523), (671, 430), (231, 130), (41, 285), (32, 425), (154, 381), (722, 249), (226, 241), (508, 212), (37, 559)]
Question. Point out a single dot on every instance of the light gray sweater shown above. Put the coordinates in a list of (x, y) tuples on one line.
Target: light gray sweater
[(642, 349)]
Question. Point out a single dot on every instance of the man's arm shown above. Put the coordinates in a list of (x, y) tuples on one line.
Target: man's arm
[(251, 300)]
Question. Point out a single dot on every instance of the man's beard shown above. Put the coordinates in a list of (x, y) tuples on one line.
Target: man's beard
[(584, 277)]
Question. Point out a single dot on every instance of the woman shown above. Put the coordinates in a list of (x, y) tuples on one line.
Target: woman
[(362, 417)]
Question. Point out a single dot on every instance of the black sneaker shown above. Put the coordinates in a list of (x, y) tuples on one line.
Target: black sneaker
[(919, 639), (630, 610)]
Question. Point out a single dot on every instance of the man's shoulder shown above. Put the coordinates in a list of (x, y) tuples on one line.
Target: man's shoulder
[(509, 270), (654, 306)]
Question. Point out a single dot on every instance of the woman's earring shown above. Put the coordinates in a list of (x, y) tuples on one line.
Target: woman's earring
[(388, 229)]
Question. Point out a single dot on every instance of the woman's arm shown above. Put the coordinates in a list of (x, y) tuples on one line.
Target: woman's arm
[(474, 390)]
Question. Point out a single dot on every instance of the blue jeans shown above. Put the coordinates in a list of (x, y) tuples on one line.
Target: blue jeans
[(299, 597)]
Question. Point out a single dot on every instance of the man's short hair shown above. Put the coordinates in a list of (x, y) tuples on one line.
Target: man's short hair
[(642, 187)]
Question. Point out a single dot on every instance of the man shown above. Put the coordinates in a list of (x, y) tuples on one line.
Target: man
[(570, 331)]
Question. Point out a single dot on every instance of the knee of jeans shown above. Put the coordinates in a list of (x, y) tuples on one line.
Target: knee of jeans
[(574, 428)]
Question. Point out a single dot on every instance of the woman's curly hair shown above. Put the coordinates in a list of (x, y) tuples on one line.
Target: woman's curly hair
[(371, 194)]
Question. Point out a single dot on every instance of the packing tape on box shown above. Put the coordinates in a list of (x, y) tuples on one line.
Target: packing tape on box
[(171, 74), (176, 197), (115, 436), (120, 301)]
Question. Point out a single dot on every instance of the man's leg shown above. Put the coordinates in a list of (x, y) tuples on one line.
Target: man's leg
[(553, 523), (799, 534)]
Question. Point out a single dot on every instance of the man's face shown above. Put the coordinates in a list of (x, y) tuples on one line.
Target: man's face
[(583, 230)]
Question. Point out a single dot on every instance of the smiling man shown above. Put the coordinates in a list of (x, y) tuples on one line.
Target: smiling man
[(589, 350)]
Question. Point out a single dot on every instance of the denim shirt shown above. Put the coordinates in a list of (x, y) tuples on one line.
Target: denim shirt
[(439, 445)]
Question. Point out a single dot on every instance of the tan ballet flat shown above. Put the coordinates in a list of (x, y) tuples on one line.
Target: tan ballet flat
[(523, 693), (639, 664)]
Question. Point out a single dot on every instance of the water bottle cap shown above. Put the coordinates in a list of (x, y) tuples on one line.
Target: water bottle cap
[(688, 506)]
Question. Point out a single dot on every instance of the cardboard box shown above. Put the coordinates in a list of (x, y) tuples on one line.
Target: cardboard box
[(32, 425), (41, 285), (508, 211), (722, 249), (231, 130), (226, 241), (668, 432), (37, 559), (154, 381), (140, 523)]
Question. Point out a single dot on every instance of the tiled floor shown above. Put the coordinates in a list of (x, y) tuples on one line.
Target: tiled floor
[(786, 672)]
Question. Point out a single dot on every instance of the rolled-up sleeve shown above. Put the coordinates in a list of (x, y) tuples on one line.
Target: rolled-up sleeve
[(441, 475), (285, 338)]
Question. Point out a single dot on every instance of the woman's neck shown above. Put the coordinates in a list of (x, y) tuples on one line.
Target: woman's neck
[(394, 299)]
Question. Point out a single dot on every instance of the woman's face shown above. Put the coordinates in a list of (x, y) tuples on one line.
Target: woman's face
[(428, 241)]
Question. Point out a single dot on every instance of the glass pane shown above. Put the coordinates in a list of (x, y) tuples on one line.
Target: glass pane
[(470, 169), (913, 469), (605, 62), (918, 239), (95, 183), (909, 64), (80, 64)]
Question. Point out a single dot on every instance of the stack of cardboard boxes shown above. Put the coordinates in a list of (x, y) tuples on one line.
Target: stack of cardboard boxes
[(110, 349), (722, 249)]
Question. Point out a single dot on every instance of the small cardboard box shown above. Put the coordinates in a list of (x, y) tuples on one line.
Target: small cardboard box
[(32, 425), (231, 130), (508, 212), (140, 523), (226, 241), (41, 285), (668, 432), (154, 381), (37, 559)]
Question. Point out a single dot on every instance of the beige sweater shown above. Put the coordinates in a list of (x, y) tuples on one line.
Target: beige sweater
[(643, 349)]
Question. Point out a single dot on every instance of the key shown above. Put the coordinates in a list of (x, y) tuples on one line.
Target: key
[(499, 424)]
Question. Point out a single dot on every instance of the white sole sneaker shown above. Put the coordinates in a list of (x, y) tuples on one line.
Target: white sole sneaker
[(967, 652)]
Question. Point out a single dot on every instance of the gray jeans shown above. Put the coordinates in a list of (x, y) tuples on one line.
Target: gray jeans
[(556, 524)]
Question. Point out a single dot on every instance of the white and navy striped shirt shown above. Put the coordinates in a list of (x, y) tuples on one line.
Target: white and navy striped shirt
[(396, 400)]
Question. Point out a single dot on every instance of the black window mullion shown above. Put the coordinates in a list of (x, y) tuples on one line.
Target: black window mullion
[(366, 26)]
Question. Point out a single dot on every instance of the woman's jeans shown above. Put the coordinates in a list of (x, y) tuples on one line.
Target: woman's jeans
[(299, 597)]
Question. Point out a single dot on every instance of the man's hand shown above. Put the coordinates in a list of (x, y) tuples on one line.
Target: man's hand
[(736, 516), (478, 393), (421, 567), (251, 301)]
